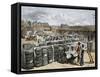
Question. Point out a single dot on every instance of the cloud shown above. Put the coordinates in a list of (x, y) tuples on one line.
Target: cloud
[(55, 16)]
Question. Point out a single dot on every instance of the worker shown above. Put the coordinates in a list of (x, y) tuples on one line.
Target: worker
[(82, 55)]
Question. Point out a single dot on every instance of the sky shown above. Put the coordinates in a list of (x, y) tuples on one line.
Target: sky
[(58, 16)]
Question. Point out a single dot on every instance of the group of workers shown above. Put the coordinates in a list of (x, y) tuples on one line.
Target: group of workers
[(77, 52)]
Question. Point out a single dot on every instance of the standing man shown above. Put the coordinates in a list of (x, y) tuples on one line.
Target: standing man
[(82, 55), (78, 49)]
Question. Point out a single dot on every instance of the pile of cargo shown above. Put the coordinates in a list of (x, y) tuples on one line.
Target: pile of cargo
[(54, 49), (42, 55)]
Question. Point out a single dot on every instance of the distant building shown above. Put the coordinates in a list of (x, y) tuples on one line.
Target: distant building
[(41, 26), (64, 25)]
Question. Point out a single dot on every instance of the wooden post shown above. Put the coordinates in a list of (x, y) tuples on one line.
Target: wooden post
[(89, 52)]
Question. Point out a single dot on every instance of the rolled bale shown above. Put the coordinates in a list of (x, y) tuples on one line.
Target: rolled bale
[(45, 56), (38, 57), (27, 56), (50, 54), (56, 53), (62, 55)]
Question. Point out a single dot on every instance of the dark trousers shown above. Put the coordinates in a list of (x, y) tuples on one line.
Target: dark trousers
[(78, 58), (82, 58)]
